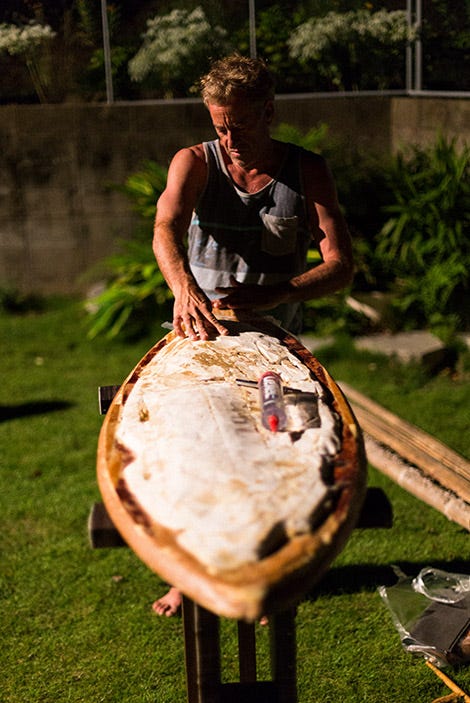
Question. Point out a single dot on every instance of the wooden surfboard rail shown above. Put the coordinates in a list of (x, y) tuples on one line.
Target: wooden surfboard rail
[(424, 466)]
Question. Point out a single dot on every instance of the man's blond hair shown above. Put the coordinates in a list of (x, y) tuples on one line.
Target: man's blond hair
[(237, 76)]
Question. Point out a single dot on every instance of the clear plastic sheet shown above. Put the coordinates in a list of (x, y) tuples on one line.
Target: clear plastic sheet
[(432, 614)]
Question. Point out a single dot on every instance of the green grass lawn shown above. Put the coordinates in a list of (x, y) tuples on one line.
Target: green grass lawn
[(76, 623)]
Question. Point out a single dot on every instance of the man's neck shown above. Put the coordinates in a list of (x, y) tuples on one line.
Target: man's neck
[(254, 177)]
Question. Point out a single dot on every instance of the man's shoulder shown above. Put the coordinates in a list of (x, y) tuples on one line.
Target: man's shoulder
[(190, 153), (191, 160), (305, 155), (312, 163)]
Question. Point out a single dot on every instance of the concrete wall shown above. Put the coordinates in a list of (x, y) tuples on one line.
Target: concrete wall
[(417, 120), (58, 212)]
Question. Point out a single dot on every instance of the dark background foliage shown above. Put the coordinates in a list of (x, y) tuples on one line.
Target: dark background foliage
[(73, 67)]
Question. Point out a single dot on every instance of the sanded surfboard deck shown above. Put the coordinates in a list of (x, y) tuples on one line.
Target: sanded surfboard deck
[(241, 519)]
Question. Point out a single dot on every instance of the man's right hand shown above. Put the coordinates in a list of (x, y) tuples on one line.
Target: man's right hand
[(193, 316)]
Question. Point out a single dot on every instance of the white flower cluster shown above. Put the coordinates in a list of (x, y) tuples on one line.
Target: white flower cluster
[(16, 40), (171, 39), (314, 36)]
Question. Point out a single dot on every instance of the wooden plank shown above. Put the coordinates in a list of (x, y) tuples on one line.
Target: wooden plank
[(284, 655), (430, 465), (101, 530), (105, 397), (449, 683), (202, 653), (246, 651), (434, 458), (413, 480), (259, 692), (412, 433)]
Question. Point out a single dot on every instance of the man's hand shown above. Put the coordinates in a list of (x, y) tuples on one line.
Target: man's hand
[(193, 316), (254, 297)]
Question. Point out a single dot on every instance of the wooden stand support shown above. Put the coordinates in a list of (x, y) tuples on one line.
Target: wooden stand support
[(203, 661), (376, 513)]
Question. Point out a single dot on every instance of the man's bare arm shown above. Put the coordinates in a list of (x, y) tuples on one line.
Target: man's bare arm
[(192, 314), (329, 231)]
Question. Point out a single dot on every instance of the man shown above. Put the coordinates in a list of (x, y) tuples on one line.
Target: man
[(250, 207)]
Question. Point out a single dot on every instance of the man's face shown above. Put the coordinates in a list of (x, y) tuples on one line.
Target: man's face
[(243, 130)]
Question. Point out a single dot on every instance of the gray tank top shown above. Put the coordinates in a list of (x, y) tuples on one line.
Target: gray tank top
[(260, 238)]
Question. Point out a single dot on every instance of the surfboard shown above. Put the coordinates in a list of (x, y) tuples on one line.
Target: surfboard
[(242, 519)]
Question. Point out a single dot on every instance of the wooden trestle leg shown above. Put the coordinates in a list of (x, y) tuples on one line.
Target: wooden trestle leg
[(202, 653), (246, 651), (203, 661), (284, 655)]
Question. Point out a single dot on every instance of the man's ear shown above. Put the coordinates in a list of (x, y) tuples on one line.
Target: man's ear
[(269, 111)]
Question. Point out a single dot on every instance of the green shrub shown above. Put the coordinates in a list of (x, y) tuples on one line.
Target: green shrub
[(135, 291), (132, 298), (143, 189), (313, 140), (425, 242)]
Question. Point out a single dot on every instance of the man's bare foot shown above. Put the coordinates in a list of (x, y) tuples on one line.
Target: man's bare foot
[(169, 604)]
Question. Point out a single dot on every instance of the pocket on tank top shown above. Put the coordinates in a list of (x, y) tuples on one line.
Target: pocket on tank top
[(279, 235)]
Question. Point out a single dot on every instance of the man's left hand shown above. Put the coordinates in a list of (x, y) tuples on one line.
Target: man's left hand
[(250, 296)]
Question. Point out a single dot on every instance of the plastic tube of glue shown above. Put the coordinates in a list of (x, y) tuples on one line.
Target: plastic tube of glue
[(273, 413)]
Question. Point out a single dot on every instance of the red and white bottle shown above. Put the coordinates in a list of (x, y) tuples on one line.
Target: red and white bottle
[(271, 398)]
